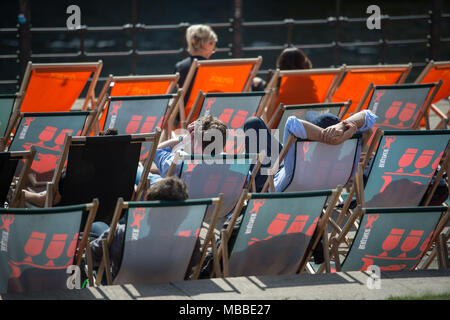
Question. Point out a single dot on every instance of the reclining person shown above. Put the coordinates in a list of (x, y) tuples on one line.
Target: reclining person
[(326, 128), (167, 189), (202, 134)]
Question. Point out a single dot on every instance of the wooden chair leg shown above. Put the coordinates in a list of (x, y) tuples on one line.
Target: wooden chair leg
[(107, 262)]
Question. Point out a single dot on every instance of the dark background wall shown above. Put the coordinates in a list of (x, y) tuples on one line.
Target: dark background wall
[(95, 13)]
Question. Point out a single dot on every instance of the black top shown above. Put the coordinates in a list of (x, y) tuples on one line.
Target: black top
[(182, 67)]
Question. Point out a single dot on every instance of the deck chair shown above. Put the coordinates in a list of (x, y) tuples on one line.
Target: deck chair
[(403, 166), (159, 241), (233, 109), (102, 167), (53, 87), (121, 86), (400, 106), (394, 239), (279, 118), (46, 132), (293, 87), (7, 117), (318, 166), (11, 178), (357, 79), (207, 176), (221, 75), (401, 170), (433, 72), (275, 233), (138, 114), (41, 247), (127, 86)]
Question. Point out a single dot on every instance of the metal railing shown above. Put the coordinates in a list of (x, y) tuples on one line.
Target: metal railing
[(234, 27)]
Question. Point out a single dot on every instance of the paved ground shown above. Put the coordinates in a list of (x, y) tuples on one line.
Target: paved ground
[(335, 286)]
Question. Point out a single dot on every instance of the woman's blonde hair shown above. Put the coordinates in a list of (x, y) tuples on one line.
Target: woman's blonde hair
[(197, 35)]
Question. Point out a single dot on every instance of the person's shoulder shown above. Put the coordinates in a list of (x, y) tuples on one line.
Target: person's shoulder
[(183, 63)]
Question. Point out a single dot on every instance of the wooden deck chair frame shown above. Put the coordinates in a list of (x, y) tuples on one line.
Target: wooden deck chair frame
[(443, 123), (279, 112), (439, 252), (28, 156), (320, 229), (94, 67), (360, 211), (197, 106), (404, 68), (423, 112), (121, 205), (168, 119), (83, 247), (52, 187), (339, 73), (216, 62), (269, 185)]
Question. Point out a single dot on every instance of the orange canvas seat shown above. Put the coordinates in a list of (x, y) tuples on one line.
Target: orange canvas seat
[(433, 72), (293, 87), (225, 75), (54, 87), (357, 79)]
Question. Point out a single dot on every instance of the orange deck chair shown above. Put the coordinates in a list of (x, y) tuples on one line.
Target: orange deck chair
[(53, 87), (302, 87), (433, 72), (220, 75), (124, 86), (357, 79)]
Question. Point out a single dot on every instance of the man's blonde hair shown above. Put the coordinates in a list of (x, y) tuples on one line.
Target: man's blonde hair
[(197, 35)]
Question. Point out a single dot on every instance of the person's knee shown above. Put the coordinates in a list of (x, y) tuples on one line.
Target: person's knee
[(254, 123)]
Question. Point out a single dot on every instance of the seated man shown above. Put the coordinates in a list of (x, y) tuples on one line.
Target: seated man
[(326, 128), (167, 189), (203, 133)]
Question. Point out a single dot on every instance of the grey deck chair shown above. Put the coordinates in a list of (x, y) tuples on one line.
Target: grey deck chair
[(42, 245), (159, 241)]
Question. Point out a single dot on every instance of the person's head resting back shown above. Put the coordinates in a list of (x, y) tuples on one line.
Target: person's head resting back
[(168, 189), (293, 59), (206, 130), (201, 40)]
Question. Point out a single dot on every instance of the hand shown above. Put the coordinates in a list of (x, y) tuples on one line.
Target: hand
[(332, 132), (350, 130)]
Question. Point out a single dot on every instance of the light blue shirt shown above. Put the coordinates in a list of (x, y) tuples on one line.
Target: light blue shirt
[(295, 126)]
